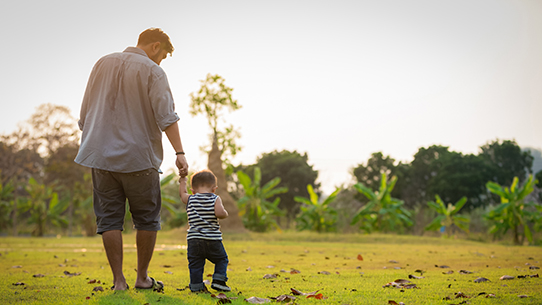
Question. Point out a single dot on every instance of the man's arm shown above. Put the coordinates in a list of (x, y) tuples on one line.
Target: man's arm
[(174, 137), (220, 211), (183, 192)]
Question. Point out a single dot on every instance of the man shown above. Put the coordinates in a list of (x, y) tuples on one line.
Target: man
[(126, 106)]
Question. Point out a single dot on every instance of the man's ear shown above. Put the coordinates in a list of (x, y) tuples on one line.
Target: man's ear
[(156, 47)]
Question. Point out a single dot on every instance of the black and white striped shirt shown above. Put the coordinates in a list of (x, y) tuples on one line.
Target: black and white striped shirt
[(202, 221)]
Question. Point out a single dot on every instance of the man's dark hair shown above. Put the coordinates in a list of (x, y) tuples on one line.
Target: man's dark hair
[(153, 35), (203, 177)]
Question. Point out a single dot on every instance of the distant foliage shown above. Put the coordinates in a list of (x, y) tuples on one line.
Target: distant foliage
[(513, 213), (382, 213), (315, 215), (257, 212), (448, 216)]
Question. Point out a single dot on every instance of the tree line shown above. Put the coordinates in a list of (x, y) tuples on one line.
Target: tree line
[(42, 191)]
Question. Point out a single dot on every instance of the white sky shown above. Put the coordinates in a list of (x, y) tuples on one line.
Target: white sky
[(336, 79)]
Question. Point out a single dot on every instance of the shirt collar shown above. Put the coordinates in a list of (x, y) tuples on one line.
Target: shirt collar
[(135, 50)]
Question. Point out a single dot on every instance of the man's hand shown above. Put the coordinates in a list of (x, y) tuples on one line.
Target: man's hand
[(182, 165)]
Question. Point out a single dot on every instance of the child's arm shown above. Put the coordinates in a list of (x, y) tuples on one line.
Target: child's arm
[(183, 192), (220, 211)]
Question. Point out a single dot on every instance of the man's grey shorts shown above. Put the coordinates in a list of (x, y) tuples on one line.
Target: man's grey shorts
[(111, 189)]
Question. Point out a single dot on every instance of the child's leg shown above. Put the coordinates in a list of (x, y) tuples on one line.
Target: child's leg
[(196, 264), (218, 256)]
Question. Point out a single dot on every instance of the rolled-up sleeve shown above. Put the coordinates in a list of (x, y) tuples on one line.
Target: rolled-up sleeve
[(162, 100)]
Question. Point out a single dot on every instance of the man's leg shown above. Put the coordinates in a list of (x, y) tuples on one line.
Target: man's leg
[(112, 241), (145, 241)]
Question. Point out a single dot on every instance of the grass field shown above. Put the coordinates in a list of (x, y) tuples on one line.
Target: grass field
[(67, 270)]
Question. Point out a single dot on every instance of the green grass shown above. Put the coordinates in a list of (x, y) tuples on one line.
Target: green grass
[(350, 281)]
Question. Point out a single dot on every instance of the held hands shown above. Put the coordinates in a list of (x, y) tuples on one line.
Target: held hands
[(182, 165)]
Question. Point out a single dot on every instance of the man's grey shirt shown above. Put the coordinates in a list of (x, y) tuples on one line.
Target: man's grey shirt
[(126, 106)]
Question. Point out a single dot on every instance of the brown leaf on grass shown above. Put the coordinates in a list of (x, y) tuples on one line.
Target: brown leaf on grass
[(317, 296), (249, 269), (506, 277), (297, 292), (256, 300), (490, 295), (39, 275), (18, 266), (534, 267), (465, 272), (481, 279), (395, 303), (72, 274), (393, 262), (401, 283), (448, 272), (360, 258), (442, 266), (168, 272), (523, 296), (19, 284), (324, 272), (284, 298), (98, 288), (166, 266), (461, 295), (270, 276), (294, 271), (534, 275), (410, 276)]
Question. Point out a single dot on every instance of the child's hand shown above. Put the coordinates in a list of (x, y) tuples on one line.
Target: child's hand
[(183, 179)]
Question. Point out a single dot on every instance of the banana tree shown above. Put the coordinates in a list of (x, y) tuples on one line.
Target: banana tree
[(255, 209), (448, 215), (173, 204), (317, 216), (45, 207), (513, 213), (382, 212)]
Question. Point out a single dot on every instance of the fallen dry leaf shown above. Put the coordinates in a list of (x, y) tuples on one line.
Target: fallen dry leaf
[(506, 277), (448, 272), (461, 295), (360, 258), (284, 298), (294, 271), (442, 266), (324, 272), (270, 276), (317, 296), (523, 296), (18, 266), (98, 288), (481, 279), (410, 276), (19, 284), (168, 272), (256, 300), (72, 274), (465, 272), (39, 275)]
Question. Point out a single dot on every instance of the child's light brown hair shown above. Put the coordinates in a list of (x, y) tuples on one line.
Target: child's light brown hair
[(203, 178)]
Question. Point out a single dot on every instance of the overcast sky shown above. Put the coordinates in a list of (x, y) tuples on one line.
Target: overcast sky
[(338, 80)]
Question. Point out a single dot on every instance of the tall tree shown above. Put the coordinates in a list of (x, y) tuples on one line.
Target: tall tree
[(212, 99), (508, 161), (369, 174), (295, 173), (419, 174)]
